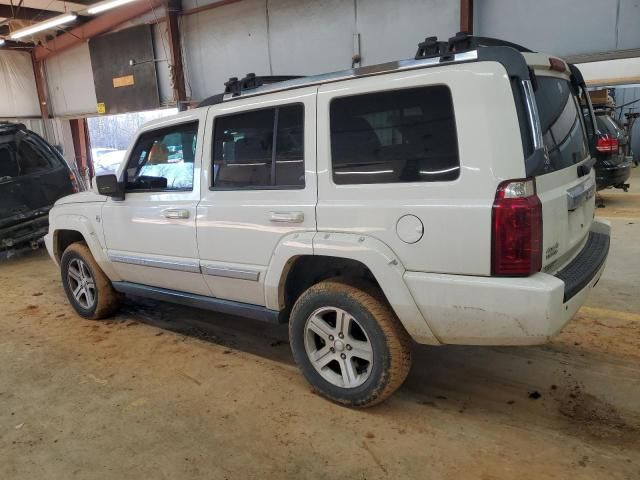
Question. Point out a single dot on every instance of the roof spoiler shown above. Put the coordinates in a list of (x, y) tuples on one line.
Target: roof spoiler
[(461, 42)]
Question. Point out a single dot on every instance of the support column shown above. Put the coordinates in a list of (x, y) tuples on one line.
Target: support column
[(466, 16), (41, 86), (82, 147), (176, 69)]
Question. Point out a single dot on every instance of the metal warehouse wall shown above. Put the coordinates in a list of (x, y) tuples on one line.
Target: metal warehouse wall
[(70, 77), (566, 27), (70, 82), (305, 36), (18, 96)]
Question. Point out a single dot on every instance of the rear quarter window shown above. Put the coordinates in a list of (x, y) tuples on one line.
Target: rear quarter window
[(394, 137)]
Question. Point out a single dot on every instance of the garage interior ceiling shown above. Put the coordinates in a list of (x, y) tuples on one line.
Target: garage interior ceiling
[(20, 14)]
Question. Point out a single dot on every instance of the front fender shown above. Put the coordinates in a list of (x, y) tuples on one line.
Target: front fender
[(82, 224)]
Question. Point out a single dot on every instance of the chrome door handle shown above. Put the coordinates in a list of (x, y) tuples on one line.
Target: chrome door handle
[(286, 217), (175, 213)]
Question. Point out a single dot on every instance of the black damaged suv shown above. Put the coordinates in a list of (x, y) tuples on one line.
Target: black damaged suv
[(33, 175)]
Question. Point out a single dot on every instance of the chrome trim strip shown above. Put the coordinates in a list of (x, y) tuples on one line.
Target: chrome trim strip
[(578, 194), (397, 66), (238, 273), (190, 267), (532, 114)]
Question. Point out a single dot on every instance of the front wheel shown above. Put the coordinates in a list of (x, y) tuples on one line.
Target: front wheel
[(87, 287), (349, 344)]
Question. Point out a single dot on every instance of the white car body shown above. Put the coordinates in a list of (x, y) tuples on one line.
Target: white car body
[(238, 246)]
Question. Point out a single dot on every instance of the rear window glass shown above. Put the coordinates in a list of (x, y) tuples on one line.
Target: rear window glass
[(562, 126), (606, 125), (22, 154), (394, 136)]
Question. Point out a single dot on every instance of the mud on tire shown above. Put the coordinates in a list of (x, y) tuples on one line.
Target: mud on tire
[(374, 350), (81, 273)]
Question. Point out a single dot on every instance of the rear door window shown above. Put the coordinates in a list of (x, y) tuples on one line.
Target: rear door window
[(243, 150), (394, 137), (563, 131)]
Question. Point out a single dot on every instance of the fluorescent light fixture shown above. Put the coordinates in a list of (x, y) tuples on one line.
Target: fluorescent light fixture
[(39, 27), (106, 5)]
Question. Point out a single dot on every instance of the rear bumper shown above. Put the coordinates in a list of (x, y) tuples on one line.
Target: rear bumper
[(613, 176), (24, 232), (469, 310)]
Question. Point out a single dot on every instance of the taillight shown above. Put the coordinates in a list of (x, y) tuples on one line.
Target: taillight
[(516, 237), (607, 144)]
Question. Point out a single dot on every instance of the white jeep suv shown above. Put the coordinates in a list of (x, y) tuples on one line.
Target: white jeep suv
[(447, 199)]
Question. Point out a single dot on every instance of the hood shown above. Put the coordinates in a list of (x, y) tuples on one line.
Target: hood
[(82, 197)]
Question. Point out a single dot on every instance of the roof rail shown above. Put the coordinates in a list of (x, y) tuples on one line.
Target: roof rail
[(461, 42)]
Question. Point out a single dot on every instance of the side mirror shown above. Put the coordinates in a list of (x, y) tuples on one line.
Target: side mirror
[(108, 185)]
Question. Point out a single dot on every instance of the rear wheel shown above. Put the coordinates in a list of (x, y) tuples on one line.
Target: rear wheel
[(87, 287), (349, 343)]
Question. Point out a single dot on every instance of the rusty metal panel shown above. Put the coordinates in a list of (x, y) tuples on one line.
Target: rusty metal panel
[(124, 70)]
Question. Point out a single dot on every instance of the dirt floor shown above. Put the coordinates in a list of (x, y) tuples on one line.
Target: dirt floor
[(167, 392)]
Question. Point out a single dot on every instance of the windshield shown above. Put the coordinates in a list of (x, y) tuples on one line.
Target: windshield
[(563, 131)]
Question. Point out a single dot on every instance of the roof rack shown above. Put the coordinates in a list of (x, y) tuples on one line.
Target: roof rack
[(460, 48), (235, 87), (461, 42)]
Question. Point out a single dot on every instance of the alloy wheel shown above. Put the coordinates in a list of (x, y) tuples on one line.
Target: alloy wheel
[(338, 347), (81, 283)]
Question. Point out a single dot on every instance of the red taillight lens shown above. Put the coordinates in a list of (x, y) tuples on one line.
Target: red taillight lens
[(607, 144), (516, 239)]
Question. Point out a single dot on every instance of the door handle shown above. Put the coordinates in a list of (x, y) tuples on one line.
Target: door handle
[(286, 217), (175, 213)]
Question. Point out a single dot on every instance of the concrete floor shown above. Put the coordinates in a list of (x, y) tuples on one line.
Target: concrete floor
[(170, 392)]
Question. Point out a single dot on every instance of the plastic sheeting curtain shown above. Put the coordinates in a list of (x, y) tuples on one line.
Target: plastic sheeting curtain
[(18, 95)]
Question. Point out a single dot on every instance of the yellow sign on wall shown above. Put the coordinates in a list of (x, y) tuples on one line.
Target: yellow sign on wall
[(101, 107), (123, 81)]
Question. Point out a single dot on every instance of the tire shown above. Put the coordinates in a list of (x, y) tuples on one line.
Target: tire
[(338, 366), (78, 265)]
